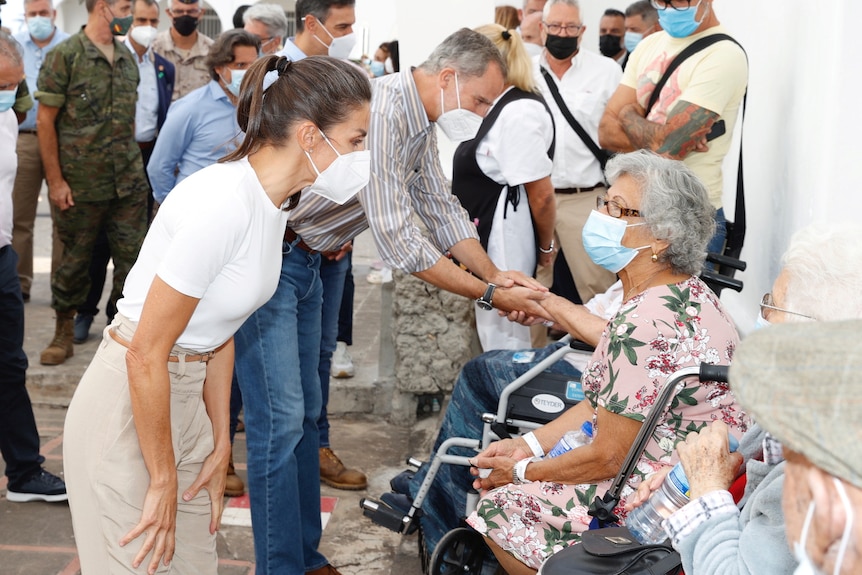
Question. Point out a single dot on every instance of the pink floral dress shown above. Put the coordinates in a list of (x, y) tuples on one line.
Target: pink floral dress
[(655, 333)]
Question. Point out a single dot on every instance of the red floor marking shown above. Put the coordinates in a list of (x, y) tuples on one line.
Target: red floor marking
[(52, 445), (243, 466), (3, 482), (72, 568), (241, 502), (36, 548), (327, 504)]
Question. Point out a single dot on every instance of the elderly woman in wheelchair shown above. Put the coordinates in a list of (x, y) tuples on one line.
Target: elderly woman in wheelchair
[(652, 229)]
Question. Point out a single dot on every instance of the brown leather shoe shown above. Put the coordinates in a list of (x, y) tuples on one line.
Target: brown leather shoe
[(325, 570), (334, 474), (233, 485)]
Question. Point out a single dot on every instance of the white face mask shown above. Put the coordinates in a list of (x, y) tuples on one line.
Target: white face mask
[(761, 322), (143, 35), (532, 49), (340, 47), (459, 124), (806, 565), (344, 177)]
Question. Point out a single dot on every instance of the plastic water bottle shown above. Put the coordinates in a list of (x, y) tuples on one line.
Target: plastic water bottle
[(573, 439), (645, 521)]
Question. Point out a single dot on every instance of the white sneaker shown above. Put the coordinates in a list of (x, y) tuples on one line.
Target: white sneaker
[(342, 363)]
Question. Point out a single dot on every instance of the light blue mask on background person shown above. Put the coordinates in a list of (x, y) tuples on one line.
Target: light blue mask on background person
[(7, 99), (680, 23), (236, 77), (602, 236), (377, 68), (632, 39), (40, 27)]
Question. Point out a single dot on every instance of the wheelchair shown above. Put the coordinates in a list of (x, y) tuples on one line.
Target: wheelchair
[(525, 404)]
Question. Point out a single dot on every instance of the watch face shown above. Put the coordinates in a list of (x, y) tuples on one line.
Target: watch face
[(484, 305)]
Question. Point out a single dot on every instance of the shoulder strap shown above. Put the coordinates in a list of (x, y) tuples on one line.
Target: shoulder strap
[(689, 50), (600, 154)]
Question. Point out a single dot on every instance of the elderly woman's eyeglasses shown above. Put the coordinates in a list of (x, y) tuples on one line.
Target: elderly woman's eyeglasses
[(614, 209), (675, 4), (767, 305)]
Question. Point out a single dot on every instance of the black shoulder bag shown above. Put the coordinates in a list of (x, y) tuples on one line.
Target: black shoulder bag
[(601, 155), (736, 228)]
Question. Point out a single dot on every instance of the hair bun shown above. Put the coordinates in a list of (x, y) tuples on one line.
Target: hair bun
[(507, 35)]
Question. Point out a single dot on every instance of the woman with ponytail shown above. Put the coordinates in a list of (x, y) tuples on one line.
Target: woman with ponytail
[(146, 439)]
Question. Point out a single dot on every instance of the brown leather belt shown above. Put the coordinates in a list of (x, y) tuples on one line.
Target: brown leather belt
[(290, 237), (147, 145), (578, 190), (201, 357), (31, 132)]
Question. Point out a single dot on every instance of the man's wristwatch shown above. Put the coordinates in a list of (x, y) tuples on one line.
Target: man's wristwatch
[(485, 302), (550, 250)]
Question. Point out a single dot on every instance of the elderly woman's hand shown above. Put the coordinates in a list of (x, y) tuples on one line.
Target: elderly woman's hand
[(708, 463), (500, 457), (509, 278), (647, 487)]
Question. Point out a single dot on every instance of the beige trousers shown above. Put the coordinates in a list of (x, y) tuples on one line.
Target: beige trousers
[(25, 200), (105, 472)]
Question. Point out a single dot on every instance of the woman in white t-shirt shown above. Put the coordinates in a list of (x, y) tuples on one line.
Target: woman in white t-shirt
[(503, 179), (146, 438)]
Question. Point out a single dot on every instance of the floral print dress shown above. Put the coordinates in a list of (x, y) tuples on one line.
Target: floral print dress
[(657, 332)]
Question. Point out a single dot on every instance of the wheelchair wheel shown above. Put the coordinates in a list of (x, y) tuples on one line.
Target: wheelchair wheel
[(461, 551)]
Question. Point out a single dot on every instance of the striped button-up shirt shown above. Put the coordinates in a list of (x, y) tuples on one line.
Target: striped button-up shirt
[(406, 179)]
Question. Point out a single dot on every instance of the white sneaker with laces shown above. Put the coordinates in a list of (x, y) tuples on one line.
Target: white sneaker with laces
[(342, 363)]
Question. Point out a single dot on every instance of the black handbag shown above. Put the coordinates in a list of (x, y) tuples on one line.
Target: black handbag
[(613, 551)]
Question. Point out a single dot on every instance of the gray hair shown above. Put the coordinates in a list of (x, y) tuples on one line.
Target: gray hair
[(824, 273), (644, 9), (10, 50), (270, 15), (674, 204), (572, 3), (467, 52), (50, 3)]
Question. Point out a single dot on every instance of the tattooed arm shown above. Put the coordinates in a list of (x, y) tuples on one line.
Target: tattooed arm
[(684, 131)]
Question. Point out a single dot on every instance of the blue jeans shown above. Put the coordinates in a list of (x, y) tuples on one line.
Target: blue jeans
[(477, 391), (716, 244), (332, 274), (19, 440), (277, 358)]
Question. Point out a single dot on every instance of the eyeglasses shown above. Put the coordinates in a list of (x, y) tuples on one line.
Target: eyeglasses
[(614, 209), (675, 4), (555, 29), (767, 304)]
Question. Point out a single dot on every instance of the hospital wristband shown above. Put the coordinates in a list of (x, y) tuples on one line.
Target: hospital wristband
[(534, 444)]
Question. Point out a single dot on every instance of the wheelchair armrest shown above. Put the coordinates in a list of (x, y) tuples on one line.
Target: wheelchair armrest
[(726, 261), (717, 282), (578, 345)]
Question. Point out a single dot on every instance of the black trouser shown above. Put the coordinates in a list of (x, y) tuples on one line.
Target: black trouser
[(19, 440)]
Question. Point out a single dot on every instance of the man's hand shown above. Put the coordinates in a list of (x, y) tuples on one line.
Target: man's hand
[(523, 299), (341, 253), (60, 195), (707, 461), (506, 279)]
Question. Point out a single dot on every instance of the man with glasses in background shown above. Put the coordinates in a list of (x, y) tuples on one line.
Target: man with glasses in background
[(585, 82), (694, 116), (269, 23), (185, 47)]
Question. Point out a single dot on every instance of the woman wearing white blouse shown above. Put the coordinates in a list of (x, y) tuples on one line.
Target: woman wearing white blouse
[(147, 430)]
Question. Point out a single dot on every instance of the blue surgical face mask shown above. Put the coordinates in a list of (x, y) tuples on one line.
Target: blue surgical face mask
[(7, 99), (40, 27), (681, 23), (761, 322), (632, 39), (377, 68), (235, 81), (602, 236)]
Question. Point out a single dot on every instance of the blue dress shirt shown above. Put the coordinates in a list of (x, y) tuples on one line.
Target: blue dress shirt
[(200, 128), (33, 58)]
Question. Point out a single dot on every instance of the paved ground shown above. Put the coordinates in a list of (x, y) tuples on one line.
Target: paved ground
[(36, 538)]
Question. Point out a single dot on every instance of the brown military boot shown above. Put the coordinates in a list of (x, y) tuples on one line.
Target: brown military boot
[(334, 474), (233, 485), (60, 349)]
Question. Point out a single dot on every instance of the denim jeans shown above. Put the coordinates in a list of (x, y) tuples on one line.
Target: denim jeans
[(332, 274), (19, 440), (716, 244), (277, 359), (477, 391)]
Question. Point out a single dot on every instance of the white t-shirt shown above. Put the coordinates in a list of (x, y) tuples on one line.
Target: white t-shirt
[(218, 238), (8, 167), (586, 88)]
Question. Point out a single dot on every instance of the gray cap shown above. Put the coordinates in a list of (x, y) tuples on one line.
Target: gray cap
[(802, 382)]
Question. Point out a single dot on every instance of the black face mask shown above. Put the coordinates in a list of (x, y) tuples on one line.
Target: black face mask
[(561, 47), (185, 25), (610, 45)]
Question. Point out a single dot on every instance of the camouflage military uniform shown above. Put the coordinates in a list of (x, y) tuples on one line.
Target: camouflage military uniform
[(191, 67), (99, 160)]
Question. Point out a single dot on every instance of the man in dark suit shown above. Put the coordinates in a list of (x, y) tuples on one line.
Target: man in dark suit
[(154, 96)]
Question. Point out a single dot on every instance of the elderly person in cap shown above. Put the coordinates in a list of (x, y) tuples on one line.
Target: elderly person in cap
[(802, 383), (712, 533), (652, 229)]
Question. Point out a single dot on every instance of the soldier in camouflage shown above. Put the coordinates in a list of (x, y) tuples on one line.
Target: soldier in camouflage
[(87, 90)]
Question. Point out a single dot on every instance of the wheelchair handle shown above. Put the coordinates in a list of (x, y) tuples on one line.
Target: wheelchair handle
[(713, 373)]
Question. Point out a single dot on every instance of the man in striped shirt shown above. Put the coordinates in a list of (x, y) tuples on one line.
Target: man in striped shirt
[(278, 347)]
